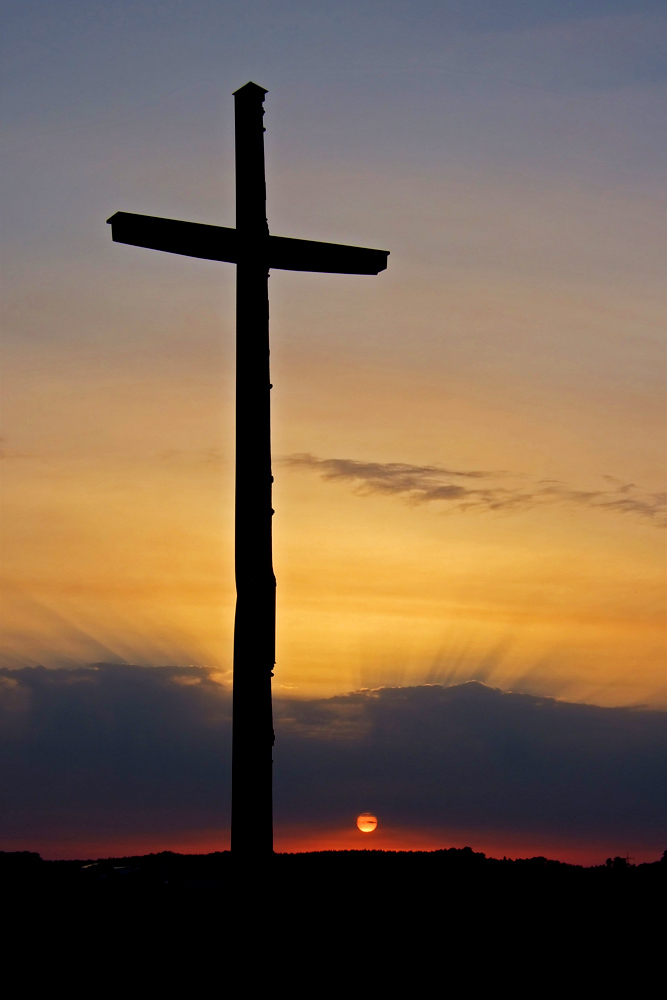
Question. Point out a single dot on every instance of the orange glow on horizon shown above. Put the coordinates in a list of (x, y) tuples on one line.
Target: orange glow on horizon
[(301, 840)]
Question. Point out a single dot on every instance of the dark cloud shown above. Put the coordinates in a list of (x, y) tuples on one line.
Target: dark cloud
[(113, 748), (471, 756), (428, 483), (117, 749)]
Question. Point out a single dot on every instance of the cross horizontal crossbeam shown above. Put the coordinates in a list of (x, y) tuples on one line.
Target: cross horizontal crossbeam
[(254, 251), (193, 239)]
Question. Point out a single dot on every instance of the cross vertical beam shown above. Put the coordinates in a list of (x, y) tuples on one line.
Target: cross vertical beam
[(254, 251), (254, 625)]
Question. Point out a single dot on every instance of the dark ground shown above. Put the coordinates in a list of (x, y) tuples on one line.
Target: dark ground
[(170, 921)]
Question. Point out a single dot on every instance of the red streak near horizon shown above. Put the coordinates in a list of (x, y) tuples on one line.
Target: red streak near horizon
[(299, 840)]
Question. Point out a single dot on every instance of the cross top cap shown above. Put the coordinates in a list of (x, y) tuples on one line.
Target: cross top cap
[(250, 89)]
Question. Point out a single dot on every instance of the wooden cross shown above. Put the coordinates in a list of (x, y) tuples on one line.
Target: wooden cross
[(254, 251)]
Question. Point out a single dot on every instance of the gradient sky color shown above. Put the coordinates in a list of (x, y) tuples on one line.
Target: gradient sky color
[(470, 476)]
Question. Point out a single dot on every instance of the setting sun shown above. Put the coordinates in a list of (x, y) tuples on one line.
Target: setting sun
[(367, 822)]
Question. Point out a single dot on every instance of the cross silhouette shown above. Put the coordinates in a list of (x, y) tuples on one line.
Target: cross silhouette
[(254, 251)]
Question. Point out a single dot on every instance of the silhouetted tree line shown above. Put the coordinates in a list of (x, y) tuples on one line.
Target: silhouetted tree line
[(216, 870), (167, 923)]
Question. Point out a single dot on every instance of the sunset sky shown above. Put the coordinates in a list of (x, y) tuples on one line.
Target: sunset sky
[(469, 448)]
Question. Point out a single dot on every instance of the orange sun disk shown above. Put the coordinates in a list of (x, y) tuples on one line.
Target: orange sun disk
[(367, 822)]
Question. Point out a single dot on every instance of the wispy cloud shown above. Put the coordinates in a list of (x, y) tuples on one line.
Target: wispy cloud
[(482, 490), (8, 454), (209, 456)]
